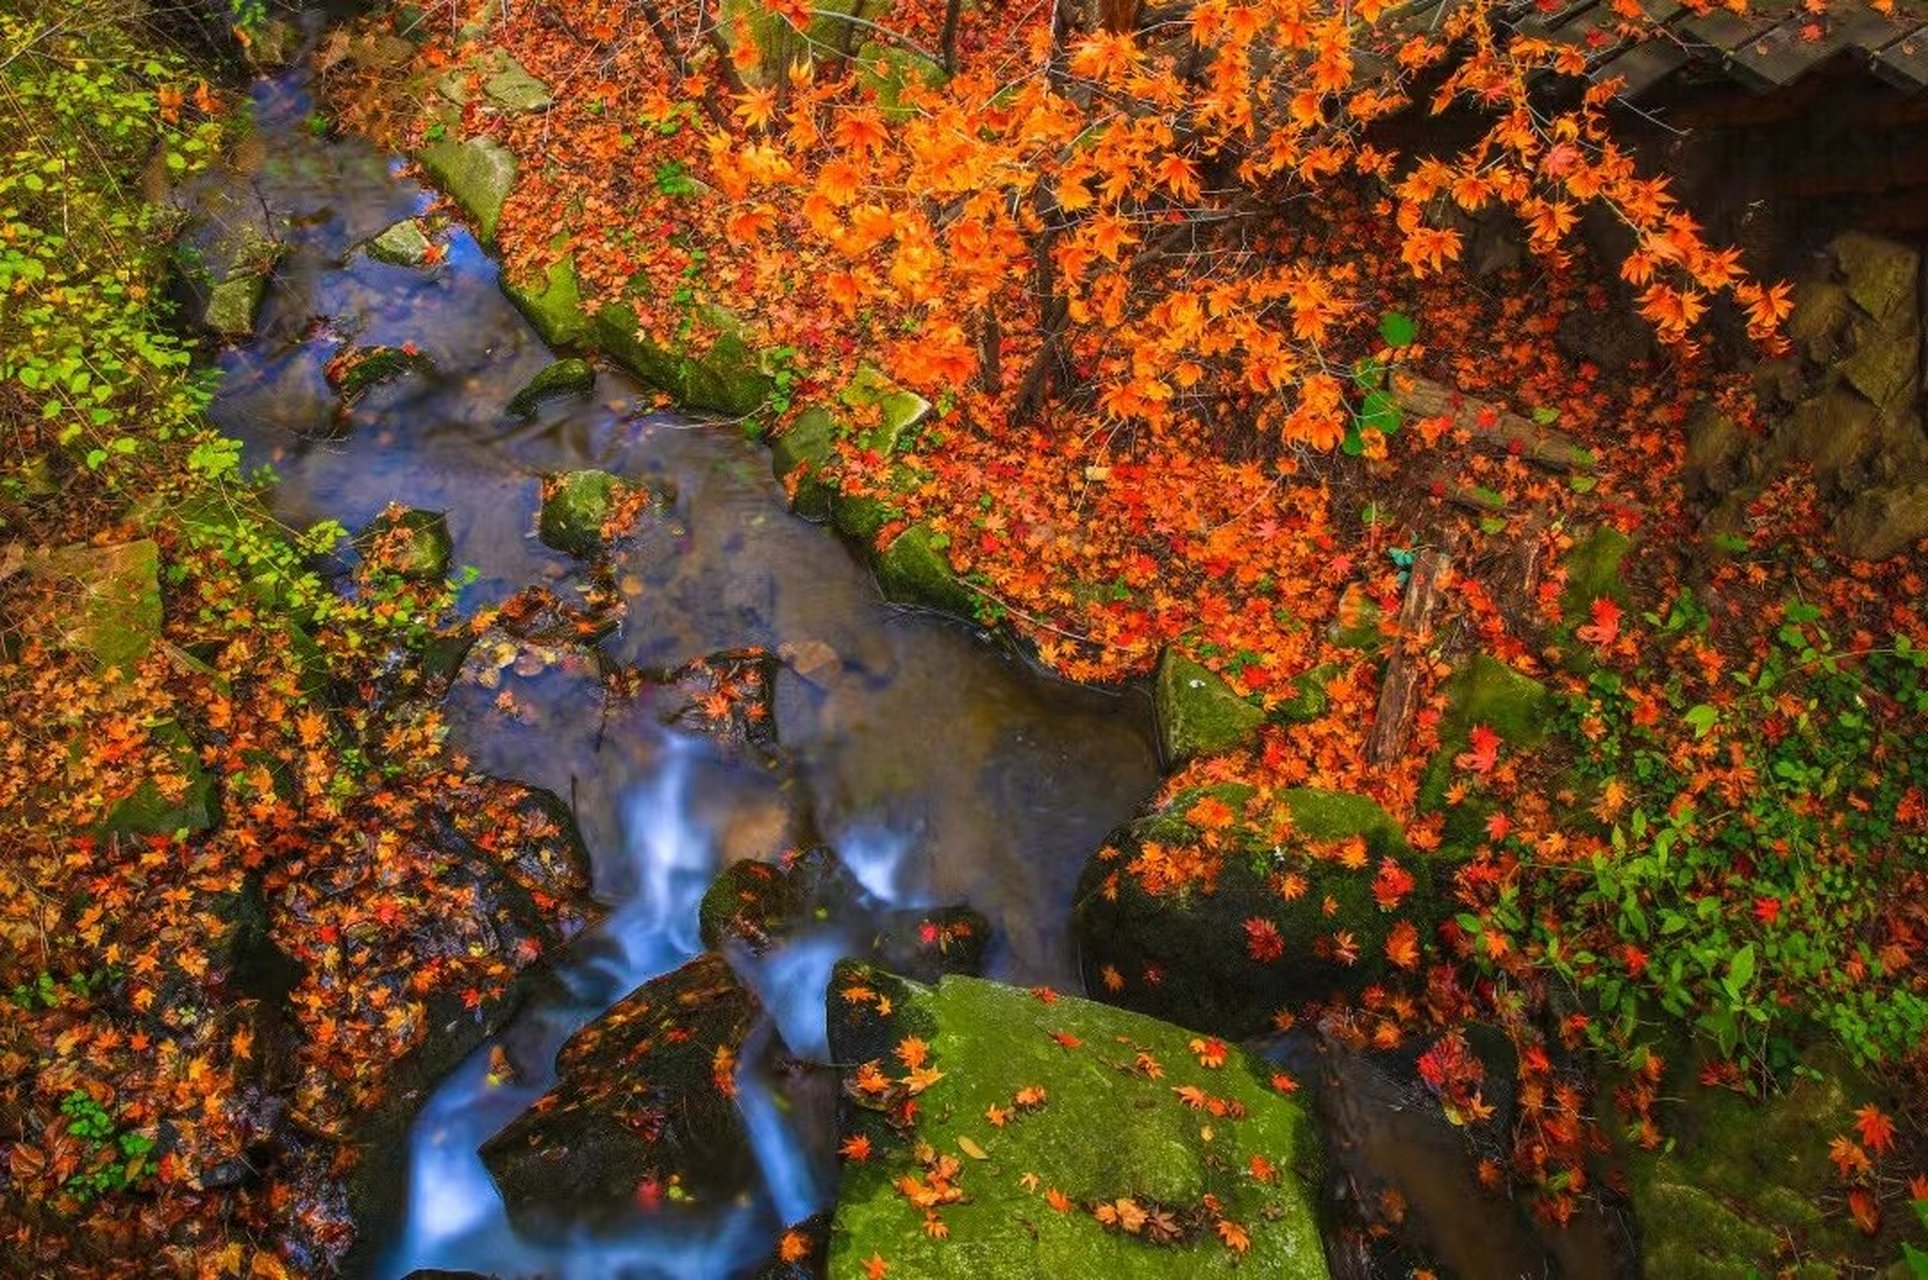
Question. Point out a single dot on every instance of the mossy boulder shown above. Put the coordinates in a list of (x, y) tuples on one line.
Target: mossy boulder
[(402, 245), (562, 380), (514, 89), (232, 304), (1884, 363), (913, 569), (1883, 521), (577, 510), (798, 457), (1225, 937), (357, 370), (114, 616), (409, 543), (1881, 274), (899, 413), (1485, 691), (1310, 700), (1593, 569), (725, 378), (552, 303), (1740, 1192), (185, 800), (478, 174), (1063, 1139), (644, 1106), (1197, 712)]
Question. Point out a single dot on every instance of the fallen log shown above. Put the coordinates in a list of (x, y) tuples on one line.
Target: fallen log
[(1425, 588), (1493, 429)]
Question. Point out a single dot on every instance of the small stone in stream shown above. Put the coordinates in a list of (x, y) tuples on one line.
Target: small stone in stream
[(644, 1110), (927, 943), (356, 369), (409, 543), (560, 380), (401, 245), (814, 660), (232, 303), (726, 696), (584, 511), (758, 904)]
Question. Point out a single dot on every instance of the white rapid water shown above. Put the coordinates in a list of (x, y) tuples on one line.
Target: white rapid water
[(455, 1217)]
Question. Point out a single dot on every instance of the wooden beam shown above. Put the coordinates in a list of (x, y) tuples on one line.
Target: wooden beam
[(1494, 429), (1425, 587)]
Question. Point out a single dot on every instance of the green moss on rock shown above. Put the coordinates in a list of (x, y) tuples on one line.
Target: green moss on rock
[(1226, 950), (150, 811), (913, 569), (1881, 274), (553, 304), (1488, 692), (802, 452), (1107, 1131), (1198, 713), (478, 174), (410, 543), (576, 507), (401, 245), (564, 379), (232, 304), (727, 378), (115, 617), (1883, 521), (1311, 701), (1593, 570)]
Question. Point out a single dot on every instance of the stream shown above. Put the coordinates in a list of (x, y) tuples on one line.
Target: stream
[(941, 768)]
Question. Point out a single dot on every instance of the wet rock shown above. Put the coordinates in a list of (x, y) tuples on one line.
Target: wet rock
[(1223, 940), (926, 943), (913, 569), (798, 458), (514, 89), (1009, 1136), (552, 303), (802, 1253), (235, 273), (729, 697), (725, 378), (759, 904), (114, 612), (1819, 322), (409, 543), (1198, 713), (644, 1109), (564, 379), (477, 174), (1881, 522), (582, 511), (1717, 451), (356, 370), (401, 245)]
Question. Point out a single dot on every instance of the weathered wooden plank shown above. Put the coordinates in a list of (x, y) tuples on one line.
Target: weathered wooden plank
[(1781, 56), (1493, 429), (1905, 61), (1645, 65), (1425, 587)]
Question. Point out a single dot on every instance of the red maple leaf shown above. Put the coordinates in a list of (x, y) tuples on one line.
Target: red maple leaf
[(1605, 627)]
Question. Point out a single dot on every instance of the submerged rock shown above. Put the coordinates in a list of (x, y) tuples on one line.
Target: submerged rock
[(1198, 713), (114, 615), (477, 174), (989, 1132), (561, 380), (644, 1108), (925, 943), (1224, 940)]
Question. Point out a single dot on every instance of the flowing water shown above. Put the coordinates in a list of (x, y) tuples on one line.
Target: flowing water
[(942, 769)]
